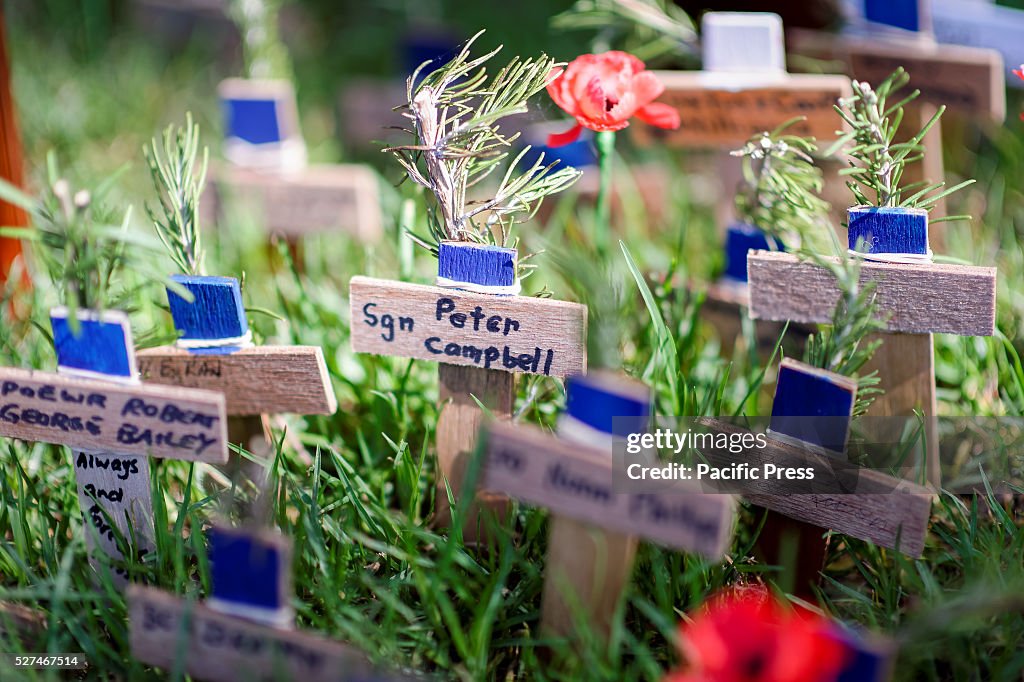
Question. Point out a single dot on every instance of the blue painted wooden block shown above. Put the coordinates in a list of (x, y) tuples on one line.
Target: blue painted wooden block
[(739, 239), (813, 405), (254, 120), (888, 230), (904, 14), (608, 404), (867, 660), (102, 346), (216, 311), (250, 570), (490, 266)]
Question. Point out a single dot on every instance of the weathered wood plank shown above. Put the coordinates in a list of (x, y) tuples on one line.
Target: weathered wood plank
[(340, 198), (167, 631), (887, 511), (512, 333), (575, 481), (256, 380), (102, 417), (919, 299), (968, 80), (721, 110), (458, 427)]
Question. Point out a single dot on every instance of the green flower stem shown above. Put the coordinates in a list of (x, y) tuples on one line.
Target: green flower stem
[(602, 215)]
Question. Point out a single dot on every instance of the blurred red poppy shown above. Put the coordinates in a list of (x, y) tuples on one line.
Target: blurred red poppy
[(1020, 74), (603, 91), (747, 636)]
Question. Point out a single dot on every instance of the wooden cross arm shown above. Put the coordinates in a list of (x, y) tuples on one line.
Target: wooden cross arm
[(891, 512), (576, 481), (919, 299), (256, 380), (94, 416), (717, 110), (167, 630), (343, 198), (968, 80)]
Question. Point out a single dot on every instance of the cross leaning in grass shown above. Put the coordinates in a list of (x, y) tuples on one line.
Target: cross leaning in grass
[(472, 322), (95, 403), (743, 90), (889, 228), (246, 628), (215, 349), (594, 528), (968, 81), (267, 177)]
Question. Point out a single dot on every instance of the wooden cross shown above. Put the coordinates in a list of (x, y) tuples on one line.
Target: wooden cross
[(246, 629), (95, 405), (215, 353), (594, 529), (898, 33), (267, 177), (984, 25), (481, 340), (743, 90)]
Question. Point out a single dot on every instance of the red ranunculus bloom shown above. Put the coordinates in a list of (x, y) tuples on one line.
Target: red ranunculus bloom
[(747, 636), (603, 91)]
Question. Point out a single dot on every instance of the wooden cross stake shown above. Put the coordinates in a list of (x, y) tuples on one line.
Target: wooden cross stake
[(95, 405), (268, 179), (594, 529), (246, 628), (481, 340)]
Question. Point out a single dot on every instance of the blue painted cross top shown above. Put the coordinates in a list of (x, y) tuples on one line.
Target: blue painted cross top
[(477, 265), (739, 239), (101, 346), (888, 230), (214, 319), (251, 574), (813, 405), (607, 404)]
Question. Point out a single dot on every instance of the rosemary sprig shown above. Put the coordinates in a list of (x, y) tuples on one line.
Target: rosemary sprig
[(84, 244), (841, 346), (877, 161), (456, 113), (781, 186), (179, 187), (648, 29)]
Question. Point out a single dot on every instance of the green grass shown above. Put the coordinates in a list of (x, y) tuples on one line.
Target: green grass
[(369, 568)]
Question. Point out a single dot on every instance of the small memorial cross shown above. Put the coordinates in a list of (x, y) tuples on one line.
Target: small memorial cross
[(473, 321), (889, 230), (267, 174), (215, 349), (245, 630), (96, 405), (594, 529)]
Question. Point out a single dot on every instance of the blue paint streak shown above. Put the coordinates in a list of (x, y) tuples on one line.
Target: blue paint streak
[(739, 239), (485, 265), (252, 120), (579, 154), (798, 396), (245, 571), (104, 347), (439, 46), (217, 311), (607, 411), (888, 230), (903, 14)]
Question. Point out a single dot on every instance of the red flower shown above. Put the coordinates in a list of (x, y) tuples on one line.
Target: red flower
[(603, 91), (1020, 74), (747, 636)]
